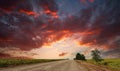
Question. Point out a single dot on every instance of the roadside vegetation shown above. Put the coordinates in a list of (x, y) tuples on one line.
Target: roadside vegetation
[(15, 62), (113, 64)]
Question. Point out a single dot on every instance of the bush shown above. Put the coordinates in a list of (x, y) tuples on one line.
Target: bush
[(80, 57)]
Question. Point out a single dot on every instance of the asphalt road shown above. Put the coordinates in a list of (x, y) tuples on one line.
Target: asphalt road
[(65, 65)]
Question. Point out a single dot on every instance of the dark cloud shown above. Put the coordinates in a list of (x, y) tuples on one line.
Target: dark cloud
[(114, 53), (51, 5), (8, 5), (33, 23), (108, 24), (18, 28), (4, 55), (16, 5)]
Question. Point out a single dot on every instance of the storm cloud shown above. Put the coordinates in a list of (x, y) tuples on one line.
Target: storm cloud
[(29, 24)]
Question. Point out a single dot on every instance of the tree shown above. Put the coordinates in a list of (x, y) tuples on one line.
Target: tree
[(80, 57), (96, 55)]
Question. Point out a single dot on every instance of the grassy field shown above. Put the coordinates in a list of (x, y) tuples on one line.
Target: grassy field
[(15, 62), (113, 64)]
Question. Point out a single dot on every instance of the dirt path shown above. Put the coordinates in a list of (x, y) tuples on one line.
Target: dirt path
[(65, 65)]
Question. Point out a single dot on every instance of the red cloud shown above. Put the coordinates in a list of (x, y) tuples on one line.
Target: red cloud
[(84, 1), (62, 54)]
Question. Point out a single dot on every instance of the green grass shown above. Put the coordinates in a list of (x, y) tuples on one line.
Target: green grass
[(113, 64), (15, 62)]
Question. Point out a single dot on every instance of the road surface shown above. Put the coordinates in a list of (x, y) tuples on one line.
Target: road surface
[(65, 65)]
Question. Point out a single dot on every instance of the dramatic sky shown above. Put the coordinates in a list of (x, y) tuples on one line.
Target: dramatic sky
[(59, 28)]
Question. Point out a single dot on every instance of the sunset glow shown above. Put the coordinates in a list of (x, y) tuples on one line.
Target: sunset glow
[(59, 29)]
